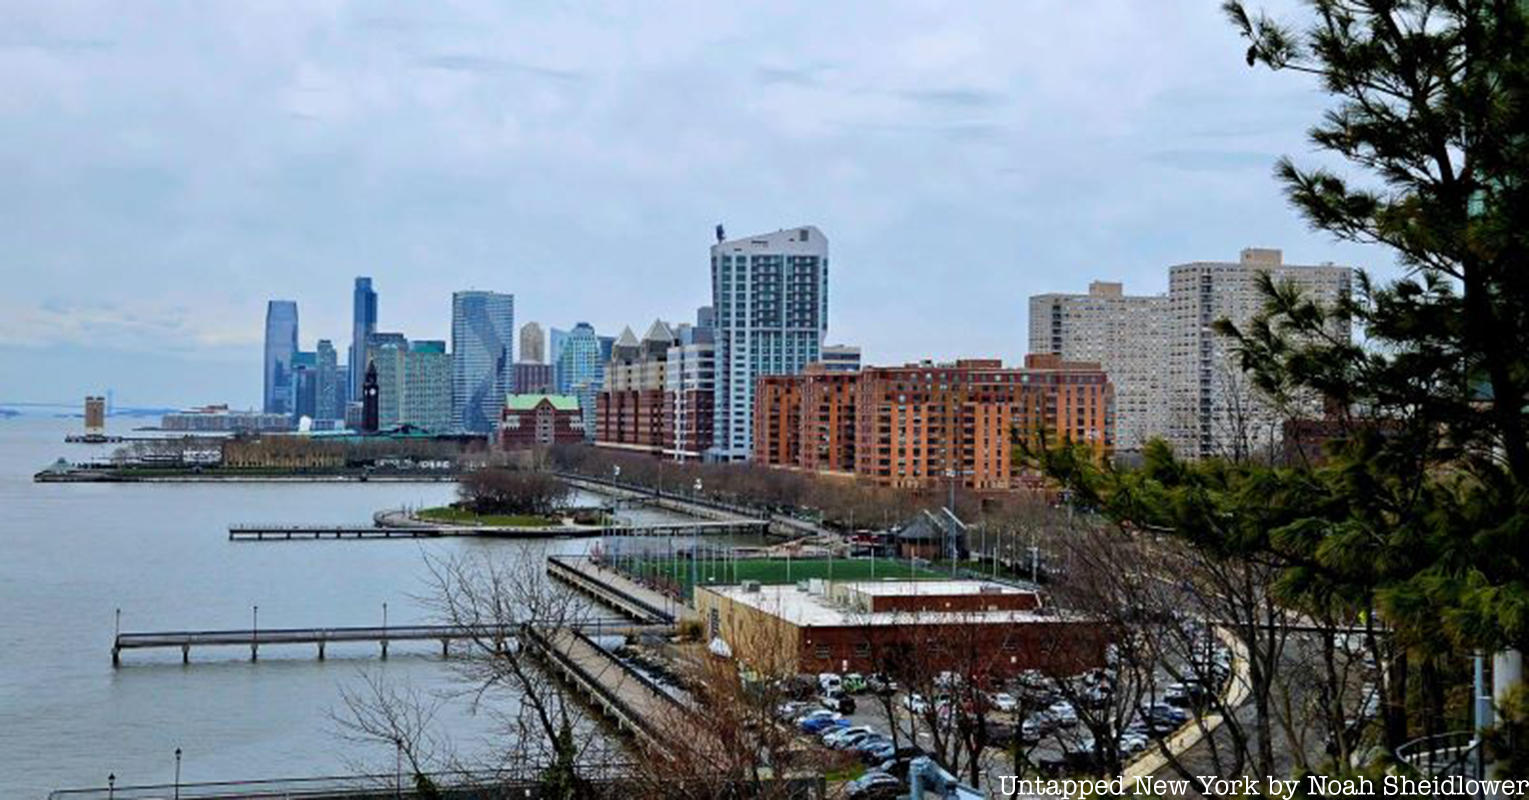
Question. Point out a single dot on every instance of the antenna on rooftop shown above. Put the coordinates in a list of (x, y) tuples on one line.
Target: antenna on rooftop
[(721, 235)]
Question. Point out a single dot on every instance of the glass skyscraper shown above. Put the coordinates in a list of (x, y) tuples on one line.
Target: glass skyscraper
[(770, 299), (580, 372), (363, 324), (280, 350), (482, 338)]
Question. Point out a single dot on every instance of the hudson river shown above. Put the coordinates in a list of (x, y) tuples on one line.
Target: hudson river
[(70, 554)]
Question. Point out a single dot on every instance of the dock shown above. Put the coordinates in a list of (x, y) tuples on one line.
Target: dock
[(614, 590), (289, 533), (320, 637), (633, 701)]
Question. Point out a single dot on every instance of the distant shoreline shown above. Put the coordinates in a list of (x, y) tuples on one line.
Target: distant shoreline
[(92, 476)]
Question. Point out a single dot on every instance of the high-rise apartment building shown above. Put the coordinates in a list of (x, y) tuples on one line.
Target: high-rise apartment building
[(385, 354), (363, 318), (533, 379), (770, 295), (482, 338), (840, 358), (1212, 407), (658, 391), (533, 344), (921, 425), (580, 371), (304, 385), (555, 339), (328, 392), (1127, 335), (427, 387), (280, 348), (95, 415)]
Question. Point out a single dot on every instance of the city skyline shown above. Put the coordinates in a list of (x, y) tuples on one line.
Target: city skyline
[(1172, 165)]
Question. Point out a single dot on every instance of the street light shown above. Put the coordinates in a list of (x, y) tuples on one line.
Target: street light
[(111, 786), (177, 773)]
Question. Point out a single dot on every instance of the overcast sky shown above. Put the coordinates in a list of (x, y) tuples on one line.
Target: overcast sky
[(168, 167)]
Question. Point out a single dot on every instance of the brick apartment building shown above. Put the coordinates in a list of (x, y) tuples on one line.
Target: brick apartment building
[(657, 395), (912, 425)]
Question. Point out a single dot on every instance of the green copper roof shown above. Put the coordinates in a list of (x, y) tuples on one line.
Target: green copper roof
[(526, 402)]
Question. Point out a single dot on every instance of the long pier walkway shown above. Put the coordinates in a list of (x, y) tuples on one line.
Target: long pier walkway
[(321, 637), (288, 533), (626, 696), (615, 590)]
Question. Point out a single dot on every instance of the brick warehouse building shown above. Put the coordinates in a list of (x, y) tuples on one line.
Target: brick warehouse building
[(968, 627), (536, 420), (909, 426)]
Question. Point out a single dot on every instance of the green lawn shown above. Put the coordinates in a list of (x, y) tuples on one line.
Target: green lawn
[(774, 570), (457, 516)]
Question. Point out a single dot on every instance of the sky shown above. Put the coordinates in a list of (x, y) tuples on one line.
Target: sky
[(168, 167)]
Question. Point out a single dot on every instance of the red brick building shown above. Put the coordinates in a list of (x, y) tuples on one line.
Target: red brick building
[(913, 425), (968, 627), (532, 420), (657, 392)]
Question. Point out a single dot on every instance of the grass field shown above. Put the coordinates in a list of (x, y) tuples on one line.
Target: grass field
[(457, 516), (774, 570)]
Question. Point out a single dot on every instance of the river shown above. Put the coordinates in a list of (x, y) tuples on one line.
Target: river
[(71, 554)]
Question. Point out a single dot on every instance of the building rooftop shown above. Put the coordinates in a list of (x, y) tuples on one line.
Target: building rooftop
[(526, 402), (828, 605)]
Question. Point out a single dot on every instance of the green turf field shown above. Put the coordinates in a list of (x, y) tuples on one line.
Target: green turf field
[(775, 570)]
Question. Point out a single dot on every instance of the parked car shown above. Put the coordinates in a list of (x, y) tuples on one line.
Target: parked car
[(1184, 695), (837, 701), (854, 683), (915, 703), (835, 734), (878, 753), (820, 724), (880, 684), (871, 742), (829, 681), (849, 740), (874, 786), (1005, 702), (1062, 713)]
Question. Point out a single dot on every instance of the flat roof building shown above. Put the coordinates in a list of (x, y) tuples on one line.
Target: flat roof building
[(965, 626)]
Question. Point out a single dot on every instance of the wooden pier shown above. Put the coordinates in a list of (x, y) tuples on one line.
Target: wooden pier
[(254, 638), (633, 701), (613, 589), (290, 533)]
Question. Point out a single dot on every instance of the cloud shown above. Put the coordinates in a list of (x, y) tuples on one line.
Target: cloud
[(168, 172), (486, 65)]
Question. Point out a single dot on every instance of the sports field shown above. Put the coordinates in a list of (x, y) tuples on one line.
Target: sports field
[(773, 570)]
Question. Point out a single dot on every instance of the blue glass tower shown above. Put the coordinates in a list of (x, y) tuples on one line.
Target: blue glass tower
[(280, 350), (363, 324), (482, 358)]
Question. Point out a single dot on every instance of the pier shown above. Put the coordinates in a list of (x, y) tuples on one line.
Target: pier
[(614, 590), (289, 533), (498, 635), (632, 700)]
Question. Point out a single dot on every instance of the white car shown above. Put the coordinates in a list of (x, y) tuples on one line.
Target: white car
[(1062, 713), (829, 682), (915, 703), (1005, 702), (840, 738)]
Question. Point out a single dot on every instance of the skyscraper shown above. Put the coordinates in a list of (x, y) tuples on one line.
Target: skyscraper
[(1212, 407), (1127, 335), (555, 339), (482, 335), (770, 295), (427, 386), (280, 348), (533, 344), (580, 371), (363, 324), (327, 391)]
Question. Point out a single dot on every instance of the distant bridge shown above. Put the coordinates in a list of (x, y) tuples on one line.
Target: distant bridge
[(287, 533)]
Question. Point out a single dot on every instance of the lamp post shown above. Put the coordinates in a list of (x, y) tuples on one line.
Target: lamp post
[(111, 786), (254, 632), (177, 773), (384, 630), (695, 551), (397, 766)]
